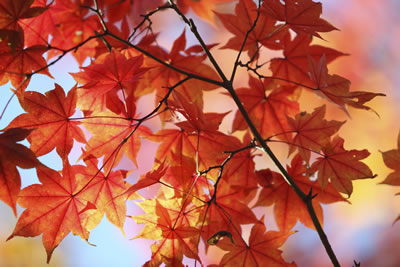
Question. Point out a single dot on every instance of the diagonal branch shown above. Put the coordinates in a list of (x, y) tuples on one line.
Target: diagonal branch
[(228, 84)]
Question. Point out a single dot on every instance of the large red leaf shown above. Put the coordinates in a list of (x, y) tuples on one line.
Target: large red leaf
[(12, 155), (268, 112), (18, 62), (49, 116), (311, 132), (341, 166), (289, 208), (54, 208), (110, 72)]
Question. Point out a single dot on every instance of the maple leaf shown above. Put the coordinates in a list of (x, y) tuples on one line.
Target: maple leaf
[(336, 88), (261, 250), (110, 73), (341, 166), (268, 112), (103, 190), (311, 132), (18, 62), (12, 155), (265, 31), (114, 136), (49, 116), (294, 64), (288, 206), (53, 208), (225, 211), (190, 60), (300, 16), (173, 225)]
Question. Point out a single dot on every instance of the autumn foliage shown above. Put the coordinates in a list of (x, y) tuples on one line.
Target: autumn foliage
[(205, 180)]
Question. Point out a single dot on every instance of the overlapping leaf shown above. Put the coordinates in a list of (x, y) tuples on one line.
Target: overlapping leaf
[(268, 112), (311, 132), (300, 16), (265, 31), (173, 225), (49, 116), (289, 208), (103, 190), (293, 66)]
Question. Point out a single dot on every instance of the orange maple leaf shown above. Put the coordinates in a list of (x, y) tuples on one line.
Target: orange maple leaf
[(49, 116), (103, 190), (174, 226), (53, 208)]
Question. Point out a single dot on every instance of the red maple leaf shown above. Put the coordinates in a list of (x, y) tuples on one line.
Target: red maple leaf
[(49, 116), (104, 78), (54, 208), (13, 154), (294, 64), (311, 132), (289, 208), (341, 166), (18, 62), (202, 8), (267, 111), (265, 31)]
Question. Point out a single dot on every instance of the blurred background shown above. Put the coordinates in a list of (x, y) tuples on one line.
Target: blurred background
[(361, 231)]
